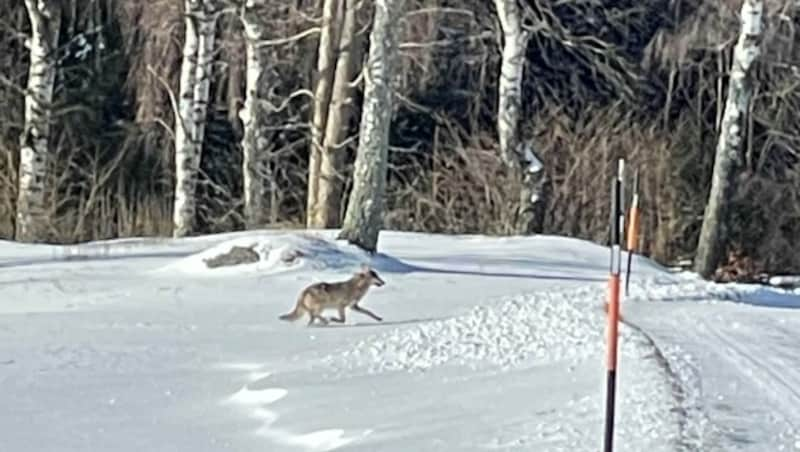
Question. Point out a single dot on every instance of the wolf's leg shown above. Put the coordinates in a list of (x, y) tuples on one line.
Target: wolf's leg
[(316, 315), (367, 312), (341, 317)]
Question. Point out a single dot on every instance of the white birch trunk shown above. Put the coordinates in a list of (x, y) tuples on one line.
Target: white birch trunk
[(35, 161), (517, 155), (364, 218), (198, 51), (326, 64), (740, 86), (257, 171)]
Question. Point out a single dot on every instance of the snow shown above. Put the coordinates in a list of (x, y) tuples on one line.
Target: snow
[(785, 280), (488, 343), (733, 347), (534, 164)]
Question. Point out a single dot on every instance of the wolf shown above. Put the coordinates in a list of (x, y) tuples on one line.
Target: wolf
[(340, 295)]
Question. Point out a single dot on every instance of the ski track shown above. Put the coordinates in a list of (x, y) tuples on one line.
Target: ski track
[(764, 371), (777, 381), (737, 364)]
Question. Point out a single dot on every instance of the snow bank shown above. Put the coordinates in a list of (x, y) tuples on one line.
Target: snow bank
[(546, 326), (523, 330), (529, 332), (690, 287), (284, 252)]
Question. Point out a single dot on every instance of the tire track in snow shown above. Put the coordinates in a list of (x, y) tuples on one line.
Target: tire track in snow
[(763, 372), (735, 362), (689, 439)]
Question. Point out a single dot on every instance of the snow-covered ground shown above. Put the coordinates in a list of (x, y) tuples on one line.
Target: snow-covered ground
[(486, 344)]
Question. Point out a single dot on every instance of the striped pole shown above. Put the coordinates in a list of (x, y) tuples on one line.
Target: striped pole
[(633, 229), (613, 305)]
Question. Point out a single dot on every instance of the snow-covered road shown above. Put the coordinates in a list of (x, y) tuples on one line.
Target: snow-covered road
[(737, 354)]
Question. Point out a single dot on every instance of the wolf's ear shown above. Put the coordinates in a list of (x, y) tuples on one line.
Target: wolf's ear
[(364, 268)]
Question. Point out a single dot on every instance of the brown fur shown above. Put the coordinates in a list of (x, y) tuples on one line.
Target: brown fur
[(340, 295)]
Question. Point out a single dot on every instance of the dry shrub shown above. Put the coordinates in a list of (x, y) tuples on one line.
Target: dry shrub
[(739, 267), (581, 154), (765, 223), (459, 185)]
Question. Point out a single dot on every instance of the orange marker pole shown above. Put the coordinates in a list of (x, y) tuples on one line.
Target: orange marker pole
[(613, 306), (633, 230)]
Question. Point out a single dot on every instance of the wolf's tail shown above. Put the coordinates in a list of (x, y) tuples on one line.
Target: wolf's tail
[(292, 316)]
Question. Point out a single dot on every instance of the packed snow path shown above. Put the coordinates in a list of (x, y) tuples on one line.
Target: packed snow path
[(736, 354)]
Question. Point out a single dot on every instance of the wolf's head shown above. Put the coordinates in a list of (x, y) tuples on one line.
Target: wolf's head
[(371, 275)]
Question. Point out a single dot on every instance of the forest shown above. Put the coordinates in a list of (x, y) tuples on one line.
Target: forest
[(277, 119)]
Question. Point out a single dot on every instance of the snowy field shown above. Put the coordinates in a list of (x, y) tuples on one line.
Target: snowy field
[(487, 344)]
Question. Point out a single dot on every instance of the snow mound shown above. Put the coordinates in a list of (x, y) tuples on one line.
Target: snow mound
[(530, 333), (690, 287), (543, 327), (284, 252)]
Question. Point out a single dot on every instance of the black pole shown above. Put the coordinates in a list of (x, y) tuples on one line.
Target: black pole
[(634, 212), (628, 273), (611, 389)]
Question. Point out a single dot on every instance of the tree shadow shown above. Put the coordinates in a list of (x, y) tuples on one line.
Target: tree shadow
[(390, 264), (56, 259), (385, 323)]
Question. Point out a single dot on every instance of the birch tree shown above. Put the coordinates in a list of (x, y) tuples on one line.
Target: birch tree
[(255, 118), (326, 65), (35, 158), (195, 81), (517, 155), (339, 58), (740, 88), (341, 108), (364, 217)]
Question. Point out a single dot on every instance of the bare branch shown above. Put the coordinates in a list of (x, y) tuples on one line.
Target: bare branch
[(11, 84), (439, 10), (283, 105), (289, 39), (173, 102), (446, 42)]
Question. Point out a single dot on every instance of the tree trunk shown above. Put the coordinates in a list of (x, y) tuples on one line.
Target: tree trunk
[(364, 217), (255, 118), (712, 234), (237, 67), (331, 180), (326, 64), (35, 162), (517, 155), (198, 50)]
